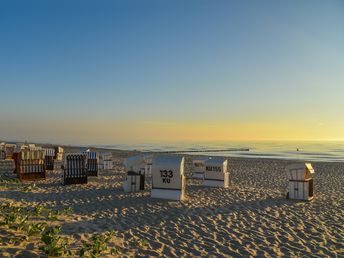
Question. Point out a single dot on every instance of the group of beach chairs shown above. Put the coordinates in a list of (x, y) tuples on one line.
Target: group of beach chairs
[(167, 172), (168, 179), (29, 162), (79, 166)]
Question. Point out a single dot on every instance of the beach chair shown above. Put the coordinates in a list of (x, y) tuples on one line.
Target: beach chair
[(148, 161), (139, 163), (92, 163), (58, 164), (58, 153), (30, 165), (197, 168), (7, 167), (301, 183), (9, 150), (216, 173), (168, 180), (135, 181), (15, 158), (105, 161), (75, 170), (135, 174), (2, 155), (49, 158)]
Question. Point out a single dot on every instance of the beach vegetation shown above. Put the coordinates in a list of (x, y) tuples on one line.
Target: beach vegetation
[(53, 244), (39, 224), (97, 244)]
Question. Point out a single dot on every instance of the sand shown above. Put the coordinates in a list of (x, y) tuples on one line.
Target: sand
[(251, 218)]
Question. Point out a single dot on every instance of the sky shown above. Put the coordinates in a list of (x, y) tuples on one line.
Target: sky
[(107, 72)]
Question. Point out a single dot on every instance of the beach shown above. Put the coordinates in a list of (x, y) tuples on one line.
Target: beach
[(250, 218)]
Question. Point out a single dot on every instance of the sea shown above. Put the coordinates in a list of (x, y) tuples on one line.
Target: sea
[(329, 151)]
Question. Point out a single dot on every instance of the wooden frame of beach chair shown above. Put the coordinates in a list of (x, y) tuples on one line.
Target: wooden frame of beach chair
[(75, 171), (30, 170), (92, 163), (92, 167), (49, 162), (58, 164), (105, 161), (301, 190), (15, 157), (107, 165), (49, 158), (135, 181), (9, 150), (58, 155)]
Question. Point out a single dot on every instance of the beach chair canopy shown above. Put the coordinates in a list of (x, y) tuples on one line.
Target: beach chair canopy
[(31, 154), (300, 171), (134, 163), (217, 165)]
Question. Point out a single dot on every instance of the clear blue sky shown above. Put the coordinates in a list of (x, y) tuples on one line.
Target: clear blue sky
[(121, 71)]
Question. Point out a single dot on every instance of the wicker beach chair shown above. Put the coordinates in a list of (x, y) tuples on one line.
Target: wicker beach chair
[(75, 170)]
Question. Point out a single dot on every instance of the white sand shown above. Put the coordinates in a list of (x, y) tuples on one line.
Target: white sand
[(252, 217)]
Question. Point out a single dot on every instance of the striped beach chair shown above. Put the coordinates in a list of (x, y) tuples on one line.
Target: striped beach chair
[(49, 158), (30, 165), (75, 170), (92, 163)]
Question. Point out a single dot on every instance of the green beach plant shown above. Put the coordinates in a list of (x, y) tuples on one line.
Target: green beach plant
[(18, 221), (51, 214), (35, 229), (97, 245), (54, 245), (13, 217), (15, 240), (39, 209)]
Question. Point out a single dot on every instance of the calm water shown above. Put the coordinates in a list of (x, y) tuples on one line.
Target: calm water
[(316, 151)]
